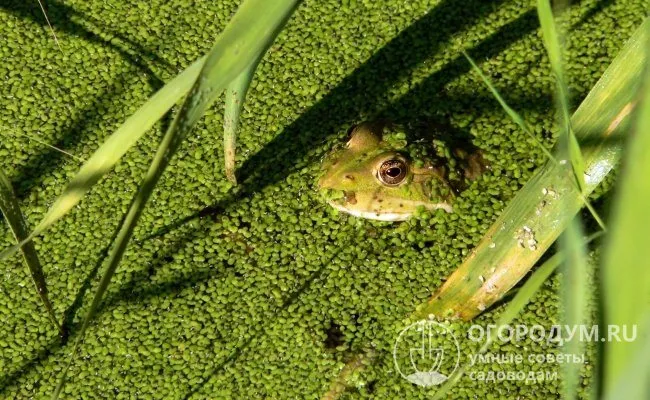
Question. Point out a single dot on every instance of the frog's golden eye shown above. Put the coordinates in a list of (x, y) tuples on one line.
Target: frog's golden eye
[(392, 172)]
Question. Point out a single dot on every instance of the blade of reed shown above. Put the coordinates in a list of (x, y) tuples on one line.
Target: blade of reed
[(56, 40), (14, 217), (246, 37), (518, 302), (518, 119), (630, 384), (235, 95), (109, 153), (573, 297), (543, 208), (553, 47), (37, 140), (625, 273), (550, 37), (514, 115), (573, 286)]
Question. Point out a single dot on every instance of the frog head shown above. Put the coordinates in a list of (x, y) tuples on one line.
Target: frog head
[(374, 175)]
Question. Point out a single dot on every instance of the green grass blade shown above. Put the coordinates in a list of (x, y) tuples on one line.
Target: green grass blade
[(109, 153), (235, 96), (569, 147), (514, 115), (543, 208), (551, 40), (37, 140), (518, 119), (625, 274), (573, 290), (573, 295), (518, 302), (11, 210), (243, 41), (524, 296), (56, 40), (635, 371)]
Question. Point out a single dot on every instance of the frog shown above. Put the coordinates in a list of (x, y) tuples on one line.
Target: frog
[(377, 174)]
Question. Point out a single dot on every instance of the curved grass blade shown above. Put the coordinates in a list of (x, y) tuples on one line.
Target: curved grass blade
[(569, 147), (518, 119), (551, 41), (245, 38), (11, 210), (518, 302), (37, 140), (573, 286), (109, 153), (235, 95), (56, 40), (625, 273), (514, 115), (542, 209)]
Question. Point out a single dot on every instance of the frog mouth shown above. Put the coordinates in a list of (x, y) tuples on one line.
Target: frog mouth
[(385, 216)]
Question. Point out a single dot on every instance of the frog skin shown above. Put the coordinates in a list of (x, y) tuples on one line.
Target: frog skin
[(378, 176)]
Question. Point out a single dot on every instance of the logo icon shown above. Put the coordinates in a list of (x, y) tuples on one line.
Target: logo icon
[(426, 353)]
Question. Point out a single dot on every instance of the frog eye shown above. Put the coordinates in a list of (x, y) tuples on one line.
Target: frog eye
[(392, 172)]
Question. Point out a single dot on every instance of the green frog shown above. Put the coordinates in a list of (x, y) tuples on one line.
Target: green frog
[(378, 175)]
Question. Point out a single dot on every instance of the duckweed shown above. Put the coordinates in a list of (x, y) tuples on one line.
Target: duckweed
[(262, 290)]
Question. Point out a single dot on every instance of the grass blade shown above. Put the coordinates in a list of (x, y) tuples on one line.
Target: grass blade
[(518, 302), (235, 95), (11, 210), (522, 233), (569, 147), (635, 372), (37, 140), (518, 119), (514, 115), (244, 40), (573, 291), (573, 296), (56, 40), (109, 153), (551, 40), (625, 272)]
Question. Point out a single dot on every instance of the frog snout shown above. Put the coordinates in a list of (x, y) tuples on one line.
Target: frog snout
[(335, 181)]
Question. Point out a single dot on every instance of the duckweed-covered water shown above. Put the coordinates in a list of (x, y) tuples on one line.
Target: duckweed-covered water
[(263, 291)]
